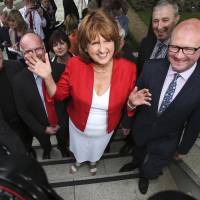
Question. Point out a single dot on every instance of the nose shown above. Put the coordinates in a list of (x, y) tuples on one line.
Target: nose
[(101, 47), (160, 25), (179, 54)]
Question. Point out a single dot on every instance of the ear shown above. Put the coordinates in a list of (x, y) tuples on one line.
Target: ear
[(177, 19)]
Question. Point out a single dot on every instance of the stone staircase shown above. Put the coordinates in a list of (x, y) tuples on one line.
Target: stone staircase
[(108, 184)]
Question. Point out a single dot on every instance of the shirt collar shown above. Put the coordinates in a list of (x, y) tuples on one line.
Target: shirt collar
[(36, 76), (166, 42), (185, 75)]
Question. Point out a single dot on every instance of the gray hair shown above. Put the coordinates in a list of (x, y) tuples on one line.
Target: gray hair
[(168, 2)]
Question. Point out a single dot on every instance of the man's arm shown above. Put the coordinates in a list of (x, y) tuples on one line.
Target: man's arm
[(191, 132)]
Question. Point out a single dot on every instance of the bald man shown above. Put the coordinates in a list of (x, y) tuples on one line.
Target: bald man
[(169, 127), (31, 104)]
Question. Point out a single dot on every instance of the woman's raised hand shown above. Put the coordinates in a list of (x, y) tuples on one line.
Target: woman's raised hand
[(38, 66), (139, 97)]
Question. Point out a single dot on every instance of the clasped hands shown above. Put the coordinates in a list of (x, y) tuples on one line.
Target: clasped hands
[(50, 130)]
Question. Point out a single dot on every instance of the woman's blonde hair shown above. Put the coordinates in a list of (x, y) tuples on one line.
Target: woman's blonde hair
[(97, 22), (15, 15)]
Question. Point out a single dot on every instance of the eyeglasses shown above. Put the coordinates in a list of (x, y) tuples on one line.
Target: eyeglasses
[(38, 50), (185, 50)]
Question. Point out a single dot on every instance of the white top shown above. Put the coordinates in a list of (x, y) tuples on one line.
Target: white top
[(98, 116), (90, 144), (180, 82), (6, 9)]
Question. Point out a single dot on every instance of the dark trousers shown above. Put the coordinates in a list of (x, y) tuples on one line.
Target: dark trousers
[(62, 137), (154, 156)]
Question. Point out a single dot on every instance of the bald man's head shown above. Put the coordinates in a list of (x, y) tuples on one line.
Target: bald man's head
[(185, 39), (189, 26), (31, 42)]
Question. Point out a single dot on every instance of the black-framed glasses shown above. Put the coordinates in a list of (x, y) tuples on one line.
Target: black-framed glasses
[(185, 50)]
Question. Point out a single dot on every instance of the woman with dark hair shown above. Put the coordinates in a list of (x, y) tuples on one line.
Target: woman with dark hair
[(59, 44), (98, 82)]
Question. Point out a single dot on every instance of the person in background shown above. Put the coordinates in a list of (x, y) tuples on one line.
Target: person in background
[(4, 34), (49, 16), (98, 83), (71, 29), (17, 28), (119, 15), (169, 126), (165, 16), (8, 111), (33, 16), (59, 44), (70, 8), (8, 6), (42, 117)]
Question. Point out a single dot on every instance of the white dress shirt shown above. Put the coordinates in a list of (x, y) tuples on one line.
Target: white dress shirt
[(38, 22), (180, 82)]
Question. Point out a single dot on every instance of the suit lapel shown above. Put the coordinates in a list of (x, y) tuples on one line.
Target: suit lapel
[(33, 87), (187, 90), (161, 73)]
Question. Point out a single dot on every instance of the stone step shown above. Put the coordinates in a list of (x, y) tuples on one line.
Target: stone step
[(186, 173), (113, 187), (59, 170), (108, 181)]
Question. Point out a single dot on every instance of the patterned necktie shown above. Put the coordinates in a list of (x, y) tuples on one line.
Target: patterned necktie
[(169, 93), (31, 20), (159, 50)]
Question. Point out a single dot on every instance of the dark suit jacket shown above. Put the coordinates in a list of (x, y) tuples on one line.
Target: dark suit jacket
[(182, 114), (70, 8), (145, 51), (4, 36), (29, 103), (9, 138), (7, 103)]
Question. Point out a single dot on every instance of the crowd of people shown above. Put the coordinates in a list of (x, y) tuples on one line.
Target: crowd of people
[(93, 83)]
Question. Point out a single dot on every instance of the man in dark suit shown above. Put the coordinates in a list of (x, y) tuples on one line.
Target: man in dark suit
[(169, 125), (165, 16), (8, 69), (32, 105), (154, 45)]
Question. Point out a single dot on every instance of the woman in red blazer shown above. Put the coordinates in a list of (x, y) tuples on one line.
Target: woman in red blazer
[(98, 82)]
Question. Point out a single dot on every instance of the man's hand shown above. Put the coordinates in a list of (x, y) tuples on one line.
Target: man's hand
[(125, 131), (178, 156), (139, 97), (51, 130), (37, 66)]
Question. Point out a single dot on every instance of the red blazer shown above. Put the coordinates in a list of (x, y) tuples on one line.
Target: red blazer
[(77, 81)]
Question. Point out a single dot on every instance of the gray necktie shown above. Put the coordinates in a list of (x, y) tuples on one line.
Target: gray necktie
[(169, 93), (159, 50)]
